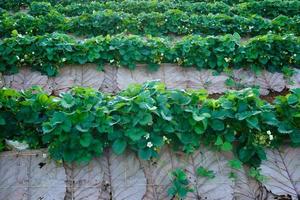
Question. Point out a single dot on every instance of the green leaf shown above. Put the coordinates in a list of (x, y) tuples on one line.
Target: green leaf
[(157, 140), (84, 159), (229, 136), (67, 125), (100, 66), (119, 146), (200, 117), (226, 146), (81, 129), (144, 154), (235, 164), (219, 141), (253, 122), (261, 153), (68, 156), (58, 117), (199, 129), (201, 171), (86, 139), (295, 136), (256, 174), (269, 118), (230, 82), (2, 121), (43, 99), (292, 99), (246, 114), (237, 37), (285, 128), (245, 154), (172, 191), (180, 98), (221, 114), (146, 119), (14, 33), (182, 192), (47, 128), (165, 116), (67, 101), (217, 125), (135, 134), (226, 104)]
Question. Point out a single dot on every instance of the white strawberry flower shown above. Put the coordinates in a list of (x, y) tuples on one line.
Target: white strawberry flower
[(227, 59), (149, 144), (165, 138), (147, 136)]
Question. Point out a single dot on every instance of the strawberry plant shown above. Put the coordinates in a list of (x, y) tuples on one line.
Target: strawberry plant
[(287, 108), (203, 172), (249, 120), (266, 8), (47, 53), (269, 8), (272, 51), (172, 21), (180, 185), (34, 106), (78, 129), (39, 8), (9, 105), (135, 113), (23, 113), (80, 124)]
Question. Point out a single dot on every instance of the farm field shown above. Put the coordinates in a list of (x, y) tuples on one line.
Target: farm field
[(146, 99)]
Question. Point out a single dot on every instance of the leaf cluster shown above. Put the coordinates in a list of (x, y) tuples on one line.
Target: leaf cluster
[(172, 21), (269, 8), (134, 7), (49, 52), (180, 185), (80, 124), (265, 8), (286, 107)]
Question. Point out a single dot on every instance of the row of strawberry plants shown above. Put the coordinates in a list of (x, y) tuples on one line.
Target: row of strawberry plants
[(269, 8), (171, 22), (133, 7), (80, 124), (18, 4), (49, 52), (265, 8)]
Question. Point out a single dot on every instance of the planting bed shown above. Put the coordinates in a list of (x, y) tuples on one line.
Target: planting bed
[(135, 99)]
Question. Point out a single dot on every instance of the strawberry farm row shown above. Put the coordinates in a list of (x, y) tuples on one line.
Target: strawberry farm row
[(80, 124), (265, 8), (174, 22), (49, 52), (19, 4)]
